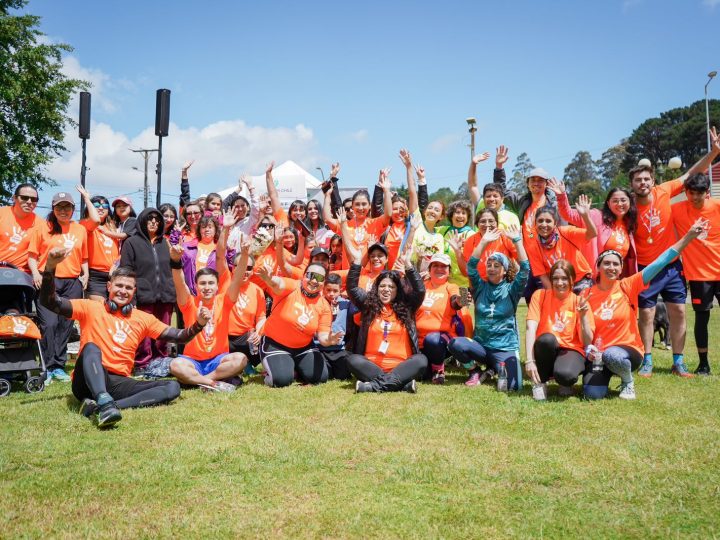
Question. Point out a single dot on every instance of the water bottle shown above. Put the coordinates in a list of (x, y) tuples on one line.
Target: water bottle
[(502, 382), (595, 356), (539, 391), (253, 348)]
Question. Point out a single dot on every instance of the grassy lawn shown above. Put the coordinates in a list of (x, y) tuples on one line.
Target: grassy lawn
[(324, 462)]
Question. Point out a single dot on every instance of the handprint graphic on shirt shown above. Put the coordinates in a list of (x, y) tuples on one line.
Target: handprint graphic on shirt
[(619, 236), (305, 316), (430, 298), (554, 257), (561, 321), (107, 241), (203, 254), (704, 234), (121, 332), (20, 326), (653, 217), (359, 234), (529, 221), (69, 240), (17, 235), (242, 302), (607, 309)]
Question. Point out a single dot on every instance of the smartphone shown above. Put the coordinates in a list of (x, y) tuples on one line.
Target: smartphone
[(463, 295)]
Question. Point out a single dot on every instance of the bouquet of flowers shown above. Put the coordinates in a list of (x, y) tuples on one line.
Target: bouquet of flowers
[(262, 238), (423, 249)]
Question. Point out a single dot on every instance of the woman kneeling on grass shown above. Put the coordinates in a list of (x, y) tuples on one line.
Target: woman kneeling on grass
[(299, 312), (614, 302), (496, 341), (559, 326)]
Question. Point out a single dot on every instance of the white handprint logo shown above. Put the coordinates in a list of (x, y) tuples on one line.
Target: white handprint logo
[(69, 240), (654, 217), (107, 241), (554, 257), (121, 332), (17, 235), (607, 309), (20, 326), (203, 254), (306, 315), (359, 234), (430, 298), (619, 236), (561, 321), (242, 302), (704, 234)]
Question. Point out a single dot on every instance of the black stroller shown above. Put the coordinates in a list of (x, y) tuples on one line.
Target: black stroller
[(20, 355)]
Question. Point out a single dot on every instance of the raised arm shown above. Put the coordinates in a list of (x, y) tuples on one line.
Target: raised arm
[(704, 163), (416, 283), (583, 205), (385, 185), (472, 177), (234, 288), (354, 254), (566, 212), (177, 335), (271, 191), (667, 256), (423, 199), (228, 222), (356, 293), (327, 208), (48, 296), (91, 210), (185, 184), (410, 178), (274, 283), (181, 289)]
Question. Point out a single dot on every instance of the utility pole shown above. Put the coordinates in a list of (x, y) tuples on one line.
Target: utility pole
[(146, 155)]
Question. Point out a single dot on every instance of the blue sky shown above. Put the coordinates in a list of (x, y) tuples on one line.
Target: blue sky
[(354, 82)]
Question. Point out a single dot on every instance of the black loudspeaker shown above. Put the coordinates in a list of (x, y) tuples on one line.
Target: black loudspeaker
[(84, 123), (162, 112)]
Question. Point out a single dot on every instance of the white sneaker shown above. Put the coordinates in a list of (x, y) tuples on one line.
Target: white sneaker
[(627, 390)]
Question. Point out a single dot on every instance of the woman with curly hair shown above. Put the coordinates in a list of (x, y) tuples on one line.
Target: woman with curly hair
[(387, 356), (495, 341), (615, 223), (459, 214)]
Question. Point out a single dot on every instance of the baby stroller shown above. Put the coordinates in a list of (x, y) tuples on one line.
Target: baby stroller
[(20, 356)]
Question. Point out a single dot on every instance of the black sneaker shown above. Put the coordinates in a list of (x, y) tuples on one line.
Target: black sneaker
[(410, 387), (703, 369), (108, 415), (486, 375), (88, 407)]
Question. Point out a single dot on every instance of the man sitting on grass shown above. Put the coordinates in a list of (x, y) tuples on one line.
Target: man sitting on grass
[(110, 335)]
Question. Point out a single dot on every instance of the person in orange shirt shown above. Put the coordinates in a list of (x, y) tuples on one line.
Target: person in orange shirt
[(617, 348), (111, 332), (71, 276), (559, 326), (552, 243), (16, 225), (103, 249), (299, 313), (436, 320), (702, 258), (206, 360)]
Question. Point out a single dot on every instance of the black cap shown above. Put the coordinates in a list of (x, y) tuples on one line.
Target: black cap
[(379, 246), (319, 251)]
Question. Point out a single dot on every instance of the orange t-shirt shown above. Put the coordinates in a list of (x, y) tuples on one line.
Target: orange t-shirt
[(654, 232), (204, 250), (701, 258), (386, 327), (15, 237), (393, 240), (103, 251), (281, 217), (248, 311), (567, 247), (528, 225), (615, 312), (213, 339), (360, 233), (73, 236), (268, 258), (619, 240), (502, 244), (559, 318), (295, 318), (117, 336), (435, 313)]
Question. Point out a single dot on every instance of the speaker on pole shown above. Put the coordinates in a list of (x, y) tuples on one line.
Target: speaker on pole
[(84, 123), (162, 112)]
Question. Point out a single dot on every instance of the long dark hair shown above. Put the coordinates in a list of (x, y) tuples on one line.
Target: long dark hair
[(55, 227), (630, 218), (164, 207), (98, 199), (116, 218), (308, 221), (400, 305)]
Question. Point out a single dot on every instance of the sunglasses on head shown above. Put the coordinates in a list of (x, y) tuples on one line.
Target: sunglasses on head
[(28, 198), (106, 206), (320, 278)]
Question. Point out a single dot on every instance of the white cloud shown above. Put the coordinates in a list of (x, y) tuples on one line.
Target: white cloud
[(629, 4), (711, 3), (446, 141), (100, 83), (359, 136)]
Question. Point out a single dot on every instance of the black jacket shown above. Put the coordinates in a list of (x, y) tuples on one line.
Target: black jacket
[(519, 203), (151, 262), (359, 295)]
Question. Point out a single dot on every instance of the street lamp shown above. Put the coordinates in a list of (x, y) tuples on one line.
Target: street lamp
[(146, 154), (711, 76), (321, 173), (472, 129)]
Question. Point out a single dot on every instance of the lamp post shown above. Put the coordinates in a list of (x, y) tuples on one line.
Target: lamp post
[(472, 129), (146, 154), (711, 76), (321, 173)]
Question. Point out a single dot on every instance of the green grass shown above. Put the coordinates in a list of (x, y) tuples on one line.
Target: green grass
[(321, 461)]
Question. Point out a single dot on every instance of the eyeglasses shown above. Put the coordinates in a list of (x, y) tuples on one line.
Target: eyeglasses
[(320, 278), (106, 206), (28, 198)]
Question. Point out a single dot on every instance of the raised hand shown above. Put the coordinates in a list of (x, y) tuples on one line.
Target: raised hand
[(278, 235), (420, 171), (245, 243), (334, 169), (55, 257), (582, 304), (384, 179), (264, 273), (501, 156), (341, 215), (455, 241), (229, 218), (176, 252), (491, 235), (698, 228), (406, 158), (583, 205), (512, 232), (204, 315), (558, 186), (269, 168), (264, 200), (481, 157), (415, 222), (84, 193), (247, 180), (186, 166), (715, 139)]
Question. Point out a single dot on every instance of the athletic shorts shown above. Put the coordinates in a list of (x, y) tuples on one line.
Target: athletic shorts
[(204, 367), (670, 283), (97, 283), (703, 293)]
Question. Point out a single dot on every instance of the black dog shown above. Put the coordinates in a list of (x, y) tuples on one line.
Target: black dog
[(662, 324)]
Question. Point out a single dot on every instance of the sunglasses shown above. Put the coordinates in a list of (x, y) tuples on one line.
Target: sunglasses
[(28, 198), (106, 206), (320, 278), (155, 219)]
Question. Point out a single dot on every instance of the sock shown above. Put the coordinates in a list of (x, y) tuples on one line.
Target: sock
[(104, 398), (647, 359), (678, 358), (703, 358)]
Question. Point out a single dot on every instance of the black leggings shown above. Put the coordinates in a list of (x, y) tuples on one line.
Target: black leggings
[(553, 361), (240, 344), (56, 329), (282, 362), (702, 318), (393, 381), (91, 379)]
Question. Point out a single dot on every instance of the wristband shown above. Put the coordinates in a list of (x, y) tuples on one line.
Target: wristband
[(529, 362), (176, 265), (516, 240)]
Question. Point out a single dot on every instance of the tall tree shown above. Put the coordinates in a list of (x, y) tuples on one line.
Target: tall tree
[(610, 164), (579, 171), (34, 96), (520, 171)]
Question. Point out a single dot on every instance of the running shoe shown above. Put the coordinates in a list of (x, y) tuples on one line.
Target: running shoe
[(411, 387), (108, 415), (645, 369), (474, 378), (59, 375), (680, 369), (88, 407), (219, 386), (361, 387), (486, 375), (627, 390), (438, 377), (703, 369)]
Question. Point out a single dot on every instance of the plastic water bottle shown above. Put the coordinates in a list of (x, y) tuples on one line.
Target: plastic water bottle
[(253, 348), (502, 382), (595, 356), (539, 392)]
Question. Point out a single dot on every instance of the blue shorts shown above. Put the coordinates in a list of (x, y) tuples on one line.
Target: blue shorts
[(670, 282), (205, 366)]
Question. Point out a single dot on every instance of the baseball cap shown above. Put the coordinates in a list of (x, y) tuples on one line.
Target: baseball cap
[(125, 200), (378, 245), (440, 258), (61, 198), (540, 173), (319, 251)]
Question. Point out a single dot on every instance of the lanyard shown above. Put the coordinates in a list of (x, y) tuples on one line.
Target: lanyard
[(386, 330)]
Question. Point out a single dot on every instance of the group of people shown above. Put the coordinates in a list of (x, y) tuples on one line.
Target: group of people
[(371, 287)]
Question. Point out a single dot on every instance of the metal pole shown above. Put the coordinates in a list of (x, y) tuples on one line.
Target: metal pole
[(472, 130), (145, 183), (707, 128), (159, 172), (83, 170)]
